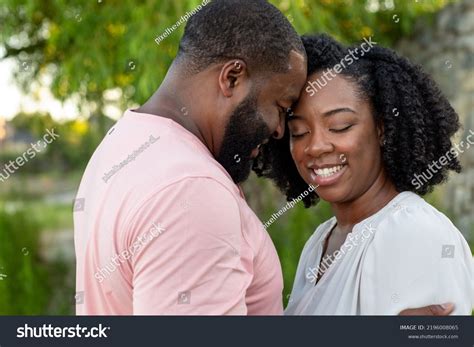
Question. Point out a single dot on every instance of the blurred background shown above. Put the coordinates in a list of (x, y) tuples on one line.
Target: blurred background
[(75, 67)]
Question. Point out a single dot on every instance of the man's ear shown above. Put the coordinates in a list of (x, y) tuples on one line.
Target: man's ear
[(232, 74)]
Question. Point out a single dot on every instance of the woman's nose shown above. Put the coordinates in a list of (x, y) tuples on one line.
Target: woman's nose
[(319, 144)]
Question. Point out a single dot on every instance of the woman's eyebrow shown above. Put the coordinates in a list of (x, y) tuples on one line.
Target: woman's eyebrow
[(338, 110), (294, 116)]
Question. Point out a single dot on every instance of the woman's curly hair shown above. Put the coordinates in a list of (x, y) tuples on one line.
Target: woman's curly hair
[(417, 119)]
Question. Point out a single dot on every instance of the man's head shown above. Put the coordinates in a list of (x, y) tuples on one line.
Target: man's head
[(251, 66)]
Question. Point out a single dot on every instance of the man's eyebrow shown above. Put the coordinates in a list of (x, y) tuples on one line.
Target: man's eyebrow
[(338, 110), (292, 99)]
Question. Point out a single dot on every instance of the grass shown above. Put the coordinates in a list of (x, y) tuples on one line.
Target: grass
[(26, 289), (34, 285)]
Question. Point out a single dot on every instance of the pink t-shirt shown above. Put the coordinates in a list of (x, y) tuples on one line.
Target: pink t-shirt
[(161, 228)]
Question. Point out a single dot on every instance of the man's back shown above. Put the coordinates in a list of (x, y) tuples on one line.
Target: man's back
[(160, 228)]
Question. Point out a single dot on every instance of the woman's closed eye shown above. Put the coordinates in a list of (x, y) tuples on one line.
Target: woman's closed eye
[(298, 135), (298, 132), (341, 129)]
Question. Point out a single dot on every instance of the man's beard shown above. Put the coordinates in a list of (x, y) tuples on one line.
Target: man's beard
[(244, 132)]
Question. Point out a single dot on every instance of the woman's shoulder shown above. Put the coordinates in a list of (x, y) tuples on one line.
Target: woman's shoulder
[(410, 218), (418, 256)]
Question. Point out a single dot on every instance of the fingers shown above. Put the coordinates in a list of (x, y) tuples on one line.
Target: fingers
[(433, 310)]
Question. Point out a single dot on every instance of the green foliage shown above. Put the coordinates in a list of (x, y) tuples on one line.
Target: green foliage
[(88, 47), (290, 236), (32, 286), (26, 289)]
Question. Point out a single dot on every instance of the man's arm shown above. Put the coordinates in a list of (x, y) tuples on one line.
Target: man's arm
[(433, 310)]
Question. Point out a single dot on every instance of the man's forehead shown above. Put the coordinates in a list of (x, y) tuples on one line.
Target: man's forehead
[(284, 88), (297, 61), (291, 84), (288, 85)]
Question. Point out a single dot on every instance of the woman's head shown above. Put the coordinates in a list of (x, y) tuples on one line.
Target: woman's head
[(380, 116)]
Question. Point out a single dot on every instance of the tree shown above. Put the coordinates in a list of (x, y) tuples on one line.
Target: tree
[(90, 47)]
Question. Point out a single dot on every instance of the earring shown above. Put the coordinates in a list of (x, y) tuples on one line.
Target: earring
[(237, 65)]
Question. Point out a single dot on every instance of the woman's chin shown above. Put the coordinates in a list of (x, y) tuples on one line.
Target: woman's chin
[(331, 188), (332, 194)]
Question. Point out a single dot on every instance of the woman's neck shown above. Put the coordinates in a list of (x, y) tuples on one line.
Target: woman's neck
[(373, 200)]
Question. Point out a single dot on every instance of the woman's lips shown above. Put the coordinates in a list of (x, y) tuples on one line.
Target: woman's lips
[(327, 176)]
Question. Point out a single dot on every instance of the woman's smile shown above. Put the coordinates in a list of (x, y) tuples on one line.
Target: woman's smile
[(326, 175)]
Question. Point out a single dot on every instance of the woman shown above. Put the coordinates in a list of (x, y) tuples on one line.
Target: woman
[(372, 134)]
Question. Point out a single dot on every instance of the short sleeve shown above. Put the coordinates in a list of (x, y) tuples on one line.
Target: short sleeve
[(193, 265), (417, 258)]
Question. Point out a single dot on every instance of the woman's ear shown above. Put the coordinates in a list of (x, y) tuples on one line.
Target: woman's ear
[(232, 74), (381, 134)]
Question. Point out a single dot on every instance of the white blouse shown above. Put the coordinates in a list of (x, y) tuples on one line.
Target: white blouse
[(407, 255)]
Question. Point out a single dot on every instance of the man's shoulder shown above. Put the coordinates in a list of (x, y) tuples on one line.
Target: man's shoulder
[(177, 158)]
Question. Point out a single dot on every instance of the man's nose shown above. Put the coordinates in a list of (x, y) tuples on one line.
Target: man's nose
[(280, 129)]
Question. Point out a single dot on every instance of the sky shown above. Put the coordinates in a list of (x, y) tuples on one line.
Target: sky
[(10, 95), (13, 100)]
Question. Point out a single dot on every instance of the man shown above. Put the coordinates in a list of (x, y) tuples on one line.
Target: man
[(161, 226)]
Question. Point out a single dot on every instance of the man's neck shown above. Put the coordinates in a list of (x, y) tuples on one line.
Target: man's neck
[(168, 104)]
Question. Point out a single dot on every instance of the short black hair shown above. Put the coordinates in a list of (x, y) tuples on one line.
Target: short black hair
[(252, 30), (418, 120)]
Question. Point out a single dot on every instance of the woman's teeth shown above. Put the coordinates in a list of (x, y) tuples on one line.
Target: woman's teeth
[(328, 172)]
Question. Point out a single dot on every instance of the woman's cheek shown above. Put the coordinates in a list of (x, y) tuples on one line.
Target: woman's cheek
[(296, 150)]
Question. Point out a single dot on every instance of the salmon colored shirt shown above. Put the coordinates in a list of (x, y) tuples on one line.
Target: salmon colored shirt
[(161, 229)]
